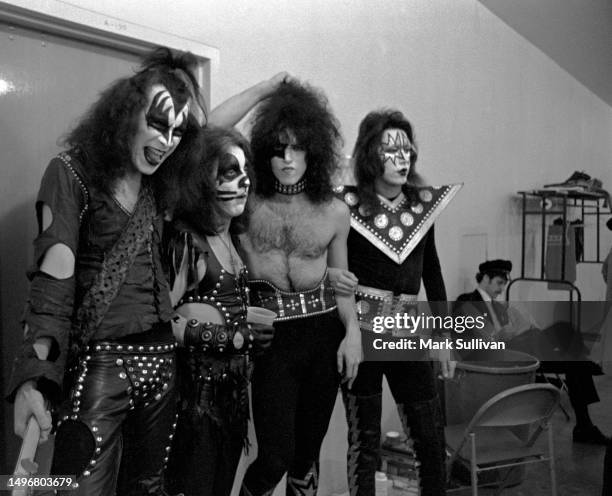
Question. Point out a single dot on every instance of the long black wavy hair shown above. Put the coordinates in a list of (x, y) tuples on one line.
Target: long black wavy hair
[(305, 111), (368, 164), (188, 180), (103, 136)]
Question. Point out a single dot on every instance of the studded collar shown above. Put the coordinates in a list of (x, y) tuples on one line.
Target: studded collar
[(396, 227)]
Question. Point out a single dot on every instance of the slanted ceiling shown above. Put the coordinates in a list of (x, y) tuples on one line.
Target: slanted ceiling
[(576, 34)]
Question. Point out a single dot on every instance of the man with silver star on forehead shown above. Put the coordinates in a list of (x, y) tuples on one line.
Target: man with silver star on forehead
[(391, 248)]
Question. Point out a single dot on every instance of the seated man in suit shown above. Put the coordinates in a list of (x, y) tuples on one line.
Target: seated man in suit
[(559, 347)]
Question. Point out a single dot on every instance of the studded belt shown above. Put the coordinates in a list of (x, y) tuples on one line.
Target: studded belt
[(148, 368), (293, 305), (373, 302)]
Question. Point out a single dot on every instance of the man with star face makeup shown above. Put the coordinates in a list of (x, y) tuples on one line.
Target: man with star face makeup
[(97, 322), (391, 248), (297, 229), (209, 293)]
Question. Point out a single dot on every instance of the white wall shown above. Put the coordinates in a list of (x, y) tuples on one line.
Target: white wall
[(489, 108)]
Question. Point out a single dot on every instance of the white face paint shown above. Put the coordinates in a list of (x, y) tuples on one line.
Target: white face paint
[(232, 182), (289, 159), (160, 128), (395, 150)]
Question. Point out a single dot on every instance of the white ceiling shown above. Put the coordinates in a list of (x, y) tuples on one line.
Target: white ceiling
[(576, 34)]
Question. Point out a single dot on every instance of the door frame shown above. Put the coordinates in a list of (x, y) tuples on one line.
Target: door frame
[(58, 19), (72, 22)]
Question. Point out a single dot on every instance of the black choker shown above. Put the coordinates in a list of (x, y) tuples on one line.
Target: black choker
[(291, 189)]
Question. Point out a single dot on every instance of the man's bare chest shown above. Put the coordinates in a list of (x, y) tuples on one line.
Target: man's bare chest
[(296, 230)]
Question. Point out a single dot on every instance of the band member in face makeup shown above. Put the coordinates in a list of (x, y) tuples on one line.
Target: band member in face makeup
[(391, 248), (297, 228), (207, 196), (98, 316)]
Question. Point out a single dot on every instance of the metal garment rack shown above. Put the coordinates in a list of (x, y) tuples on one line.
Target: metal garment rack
[(554, 203)]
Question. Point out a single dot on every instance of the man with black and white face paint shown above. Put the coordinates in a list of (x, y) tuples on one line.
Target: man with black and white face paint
[(391, 248), (232, 183), (297, 230), (98, 316), (160, 128), (209, 293), (113, 432)]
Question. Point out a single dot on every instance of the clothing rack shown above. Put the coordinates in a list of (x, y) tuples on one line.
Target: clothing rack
[(553, 203)]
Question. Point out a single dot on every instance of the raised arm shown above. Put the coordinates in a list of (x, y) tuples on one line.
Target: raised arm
[(232, 110)]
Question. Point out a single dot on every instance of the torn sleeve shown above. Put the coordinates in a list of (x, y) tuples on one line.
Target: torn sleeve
[(50, 306)]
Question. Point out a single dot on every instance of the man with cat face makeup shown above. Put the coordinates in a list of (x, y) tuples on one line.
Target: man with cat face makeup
[(391, 248), (97, 320), (209, 292), (297, 229)]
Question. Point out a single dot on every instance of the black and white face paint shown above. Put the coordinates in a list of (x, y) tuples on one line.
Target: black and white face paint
[(159, 131), (232, 182), (395, 150), (288, 159)]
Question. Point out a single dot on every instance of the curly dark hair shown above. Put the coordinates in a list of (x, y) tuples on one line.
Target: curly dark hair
[(368, 164), (103, 135), (305, 111), (188, 180)]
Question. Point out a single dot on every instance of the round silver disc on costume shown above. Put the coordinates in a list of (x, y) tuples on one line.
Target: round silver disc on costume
[(425, 195), (381, 221), (396, 233), (351, 199), (238, 340), (363, 307), (406, 219), (339, 189), (363, 211), (417, 209)]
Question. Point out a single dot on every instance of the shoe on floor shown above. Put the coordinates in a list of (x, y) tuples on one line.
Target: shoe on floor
[(590, 435)]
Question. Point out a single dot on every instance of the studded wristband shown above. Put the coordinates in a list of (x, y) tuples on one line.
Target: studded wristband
[(217, 337)]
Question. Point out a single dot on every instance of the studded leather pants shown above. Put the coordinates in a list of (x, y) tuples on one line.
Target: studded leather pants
[(115, 433)]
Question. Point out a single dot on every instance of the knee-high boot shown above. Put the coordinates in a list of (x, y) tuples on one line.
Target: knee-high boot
[(363, 457), (423, 419), (304, 486), (244, 491)]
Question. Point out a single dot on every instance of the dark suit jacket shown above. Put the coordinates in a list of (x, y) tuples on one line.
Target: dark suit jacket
[(460, 307)]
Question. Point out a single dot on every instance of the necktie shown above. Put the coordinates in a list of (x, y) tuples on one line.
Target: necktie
[(493, 315)]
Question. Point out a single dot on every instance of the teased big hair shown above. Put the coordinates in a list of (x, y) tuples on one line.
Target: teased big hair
[(305, 111), (368, 164), (187, 180), (103, 136)]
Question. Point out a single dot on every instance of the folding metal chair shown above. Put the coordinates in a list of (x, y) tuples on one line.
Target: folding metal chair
[(503, 432)]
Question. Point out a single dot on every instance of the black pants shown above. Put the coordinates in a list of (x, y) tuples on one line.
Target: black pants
[(560, 350), (115, 432), (212, 425), (204, 457), (607, 472), (294, 389), (413, 388)]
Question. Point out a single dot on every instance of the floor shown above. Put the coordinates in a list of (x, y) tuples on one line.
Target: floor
[(579, 466)]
